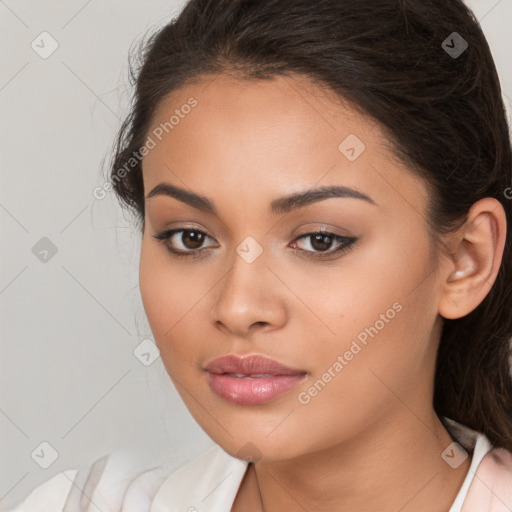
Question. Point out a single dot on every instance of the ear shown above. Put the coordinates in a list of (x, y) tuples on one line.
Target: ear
[(474, 260)]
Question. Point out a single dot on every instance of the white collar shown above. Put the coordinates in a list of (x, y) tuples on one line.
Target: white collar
[(208, 483)]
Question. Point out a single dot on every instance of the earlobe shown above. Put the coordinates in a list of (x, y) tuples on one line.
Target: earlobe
[(472, 268)]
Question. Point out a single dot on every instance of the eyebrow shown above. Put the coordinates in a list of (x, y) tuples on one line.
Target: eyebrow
[(280, 205)]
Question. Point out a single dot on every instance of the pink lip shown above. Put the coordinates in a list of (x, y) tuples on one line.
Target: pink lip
[(263, 380)]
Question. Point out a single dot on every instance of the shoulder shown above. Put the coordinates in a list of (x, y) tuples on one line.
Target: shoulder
[(119, 479), (50, 496), (491, 488), (207, 463)]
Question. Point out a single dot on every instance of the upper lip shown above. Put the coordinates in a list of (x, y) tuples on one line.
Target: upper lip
[(250, 365)]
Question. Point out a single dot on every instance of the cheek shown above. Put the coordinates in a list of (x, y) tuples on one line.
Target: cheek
[(359, 290), (162, 292), (172, 298), (377, 310), (152, 290)]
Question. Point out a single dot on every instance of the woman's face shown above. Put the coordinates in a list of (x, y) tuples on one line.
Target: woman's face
[(361, 323)]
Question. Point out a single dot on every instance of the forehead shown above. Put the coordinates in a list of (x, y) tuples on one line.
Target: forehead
[(286, 109), (286, 134)]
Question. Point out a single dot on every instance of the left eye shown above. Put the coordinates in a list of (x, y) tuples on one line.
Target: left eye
[(321, 242)]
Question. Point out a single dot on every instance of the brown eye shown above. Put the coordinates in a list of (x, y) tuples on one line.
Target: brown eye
[(192, 239), (321, 243), (184, 242)]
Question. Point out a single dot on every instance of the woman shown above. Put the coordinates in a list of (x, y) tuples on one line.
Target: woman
[(323, 196)]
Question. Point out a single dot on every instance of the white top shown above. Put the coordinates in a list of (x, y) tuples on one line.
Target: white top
[(208, 483), (470, 440)]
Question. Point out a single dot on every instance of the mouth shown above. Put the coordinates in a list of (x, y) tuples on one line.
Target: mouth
[(251, 380), (248, 376), (254, 365)]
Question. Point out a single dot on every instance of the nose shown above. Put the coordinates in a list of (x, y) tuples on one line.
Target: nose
[(249, 298)]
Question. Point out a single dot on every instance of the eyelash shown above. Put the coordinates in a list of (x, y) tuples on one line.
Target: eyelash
[(347, 243)]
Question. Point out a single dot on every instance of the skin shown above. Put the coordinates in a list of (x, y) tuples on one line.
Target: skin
[(370, 440)]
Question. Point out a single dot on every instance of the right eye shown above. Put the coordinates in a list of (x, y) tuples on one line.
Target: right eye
[(190, 239)]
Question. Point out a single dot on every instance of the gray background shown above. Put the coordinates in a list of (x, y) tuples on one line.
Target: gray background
[(70, 324)]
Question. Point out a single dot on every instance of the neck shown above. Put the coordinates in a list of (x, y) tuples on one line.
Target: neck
[(396, 465)]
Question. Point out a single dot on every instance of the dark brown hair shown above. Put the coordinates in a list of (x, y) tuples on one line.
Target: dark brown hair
[(443, 113)]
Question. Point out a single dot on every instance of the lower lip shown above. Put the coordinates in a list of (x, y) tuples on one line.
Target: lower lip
[(252, 391)]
